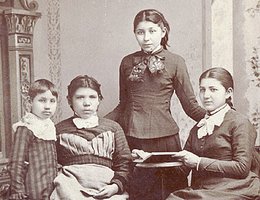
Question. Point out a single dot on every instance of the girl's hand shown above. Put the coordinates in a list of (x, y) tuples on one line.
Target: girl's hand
[(189, 159), (18, 196), (107, 191), (137, 154)]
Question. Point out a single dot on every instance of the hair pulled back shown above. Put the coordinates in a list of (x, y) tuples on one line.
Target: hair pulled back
[(223, 76), (156, 17), (83, 81)]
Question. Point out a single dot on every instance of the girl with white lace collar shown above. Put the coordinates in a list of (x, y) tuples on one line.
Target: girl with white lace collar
[(220, 149), (33, 161)]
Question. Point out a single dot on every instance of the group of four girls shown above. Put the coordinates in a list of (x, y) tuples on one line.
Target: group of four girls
[(95, 152)]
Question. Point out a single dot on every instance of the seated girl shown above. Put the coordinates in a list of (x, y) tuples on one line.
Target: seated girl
[(93, 151), (220, 147)]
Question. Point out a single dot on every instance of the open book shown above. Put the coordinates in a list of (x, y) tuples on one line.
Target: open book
[(155, 157)]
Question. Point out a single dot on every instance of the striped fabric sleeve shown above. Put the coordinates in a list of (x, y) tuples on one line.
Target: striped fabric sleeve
[(121, 160), (18, 160)]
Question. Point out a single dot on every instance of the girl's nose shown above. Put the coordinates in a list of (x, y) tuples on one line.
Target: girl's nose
[(206, 94), (147, 36), (86, 102), (47, 106)]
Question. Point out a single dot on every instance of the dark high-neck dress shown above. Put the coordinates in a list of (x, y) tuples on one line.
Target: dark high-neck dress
[(144, 107), (224, 171), (144, 112)]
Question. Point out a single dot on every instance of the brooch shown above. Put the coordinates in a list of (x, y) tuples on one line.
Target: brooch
[(137, 72)]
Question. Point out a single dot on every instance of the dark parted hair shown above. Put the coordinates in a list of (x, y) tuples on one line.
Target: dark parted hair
[(223, 76), (83, 81), (40, 86), (156, 17)]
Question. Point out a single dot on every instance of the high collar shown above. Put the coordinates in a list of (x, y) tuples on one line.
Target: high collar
[(155, 51), (217, 110), (90, 122), (41, 128)]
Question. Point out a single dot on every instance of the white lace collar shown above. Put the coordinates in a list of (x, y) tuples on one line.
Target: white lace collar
[(86, 123), (41, 128)]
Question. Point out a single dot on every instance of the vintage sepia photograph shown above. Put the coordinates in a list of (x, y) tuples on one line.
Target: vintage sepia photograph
[(129, 99)]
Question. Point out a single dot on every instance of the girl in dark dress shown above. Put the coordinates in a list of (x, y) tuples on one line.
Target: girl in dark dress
[(148, 79), (220, 147)]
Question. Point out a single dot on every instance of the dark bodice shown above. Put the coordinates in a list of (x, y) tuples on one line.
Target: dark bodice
[(144, 108)]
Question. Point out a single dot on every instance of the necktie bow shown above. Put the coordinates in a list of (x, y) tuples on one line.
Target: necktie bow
[(86, 123), (154, 63), (208, 123), (206, 127)]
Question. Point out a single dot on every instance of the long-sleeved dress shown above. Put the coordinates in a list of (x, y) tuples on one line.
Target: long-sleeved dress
[(98, 155), (224, 171), (144, 111), (144, 107), (33, 161)]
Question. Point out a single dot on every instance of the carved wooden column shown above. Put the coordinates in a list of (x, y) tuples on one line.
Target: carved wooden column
[(17, 22), (20, 26)]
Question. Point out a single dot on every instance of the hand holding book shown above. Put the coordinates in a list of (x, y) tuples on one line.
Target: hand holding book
[(188, 158), (140, 155)]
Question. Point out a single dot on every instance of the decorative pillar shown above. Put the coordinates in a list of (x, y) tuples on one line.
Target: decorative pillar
[(20, 26), (54, 51), (17, 21)]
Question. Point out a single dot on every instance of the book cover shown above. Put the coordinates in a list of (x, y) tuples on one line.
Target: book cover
[(155, 157)]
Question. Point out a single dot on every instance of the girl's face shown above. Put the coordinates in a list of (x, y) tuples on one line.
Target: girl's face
[(213, 94), (149, 35), (44, 105), (85, 102)]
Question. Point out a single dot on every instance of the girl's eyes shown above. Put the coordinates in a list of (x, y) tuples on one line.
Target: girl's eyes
[(45, 100), (141, 32), (42, 100), (91, 97), (213, 89), (53, 100)]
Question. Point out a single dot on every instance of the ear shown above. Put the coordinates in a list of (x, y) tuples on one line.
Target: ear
[(69, 101), (229, 92), (28, 105), (164, 31)]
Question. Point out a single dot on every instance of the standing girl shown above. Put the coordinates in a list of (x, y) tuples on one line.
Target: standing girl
[(148, 79), (33, 161), (93, 151), (220, 149)]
